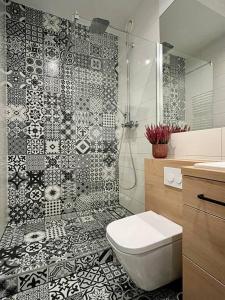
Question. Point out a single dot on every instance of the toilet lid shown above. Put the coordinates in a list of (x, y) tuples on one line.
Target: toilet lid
[(142, 232)]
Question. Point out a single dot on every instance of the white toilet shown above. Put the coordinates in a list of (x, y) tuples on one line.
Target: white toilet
[(148, 245)]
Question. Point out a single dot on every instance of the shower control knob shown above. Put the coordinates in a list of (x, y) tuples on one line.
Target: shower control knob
[(130, 124)]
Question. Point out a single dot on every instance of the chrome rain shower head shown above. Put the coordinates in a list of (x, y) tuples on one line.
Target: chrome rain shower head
[(98, 26), (167, 47)]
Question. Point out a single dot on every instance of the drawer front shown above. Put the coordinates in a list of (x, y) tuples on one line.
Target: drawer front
[(204, 241), (197, 284), (192, 187)]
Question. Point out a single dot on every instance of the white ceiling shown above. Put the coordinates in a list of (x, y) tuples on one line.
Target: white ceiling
[(118, 12), (163, 5), (190, 26)]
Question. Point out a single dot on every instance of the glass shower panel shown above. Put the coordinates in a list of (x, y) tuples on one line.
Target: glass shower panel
[(137, 99), (3, 158)]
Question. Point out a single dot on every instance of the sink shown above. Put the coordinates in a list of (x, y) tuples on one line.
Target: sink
[(217, 165)]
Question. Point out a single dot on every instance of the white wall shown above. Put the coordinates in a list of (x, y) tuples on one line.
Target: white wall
[(216, 5), (146, 20), (208, 144), (142, 59), (216, 53), (163, 5)]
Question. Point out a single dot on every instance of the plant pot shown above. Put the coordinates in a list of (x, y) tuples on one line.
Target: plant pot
[(159, 150)]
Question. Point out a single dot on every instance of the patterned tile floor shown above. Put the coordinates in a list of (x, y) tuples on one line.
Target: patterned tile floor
[(68, 257)]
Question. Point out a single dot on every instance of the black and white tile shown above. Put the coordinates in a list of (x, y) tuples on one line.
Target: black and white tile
[(61, 269), (65, 288), (37, 293), (63, 113), (68, 257), (32, 280), (173, 89), (62, 164), (8, 287)]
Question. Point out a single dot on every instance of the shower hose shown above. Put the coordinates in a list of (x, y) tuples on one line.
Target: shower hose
[(132, 161)]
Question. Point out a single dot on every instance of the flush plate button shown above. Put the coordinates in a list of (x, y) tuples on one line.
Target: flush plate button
[(170, 177), (173, 177)]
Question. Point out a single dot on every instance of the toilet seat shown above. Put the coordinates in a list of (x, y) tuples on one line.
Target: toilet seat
[(143, 232)]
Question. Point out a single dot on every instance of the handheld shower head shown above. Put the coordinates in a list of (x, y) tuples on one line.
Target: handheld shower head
[(129, 26)]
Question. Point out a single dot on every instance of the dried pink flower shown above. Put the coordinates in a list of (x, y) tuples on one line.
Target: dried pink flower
[(160, 134)]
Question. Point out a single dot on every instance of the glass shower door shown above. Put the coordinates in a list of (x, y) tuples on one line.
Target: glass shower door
[(137, 99)]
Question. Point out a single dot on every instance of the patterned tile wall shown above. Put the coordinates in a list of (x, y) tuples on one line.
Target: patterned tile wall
[(173, 89), (3, 138), (62, 148)]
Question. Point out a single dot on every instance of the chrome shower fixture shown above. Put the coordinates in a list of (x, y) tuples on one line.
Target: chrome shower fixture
[(130, 124), (129, 26), (98, 26), (167, 47)]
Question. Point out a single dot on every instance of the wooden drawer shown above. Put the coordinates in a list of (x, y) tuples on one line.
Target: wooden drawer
[(204, 241), (192, 187), (197, 284)]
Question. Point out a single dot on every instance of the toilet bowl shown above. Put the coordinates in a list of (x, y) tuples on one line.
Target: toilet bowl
[(148, 246)]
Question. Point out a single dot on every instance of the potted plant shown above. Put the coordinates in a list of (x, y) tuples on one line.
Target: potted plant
[(159, 136)]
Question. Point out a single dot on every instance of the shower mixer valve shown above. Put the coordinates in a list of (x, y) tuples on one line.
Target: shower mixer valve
[(130, 124)]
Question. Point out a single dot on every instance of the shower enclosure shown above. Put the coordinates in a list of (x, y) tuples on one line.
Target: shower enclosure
[(78, 102), (137, 97), (78, 99)]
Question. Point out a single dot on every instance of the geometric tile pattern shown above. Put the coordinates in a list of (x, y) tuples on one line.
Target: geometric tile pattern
[(52, 208), (61, 113), (68, 257), (8, 287), (62, 164), (61, 269), (32, 280), (40, 292), (173, 89), (55, 231), (64, 288)]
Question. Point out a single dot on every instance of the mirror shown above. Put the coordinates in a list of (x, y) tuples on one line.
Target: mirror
[(192, 35)]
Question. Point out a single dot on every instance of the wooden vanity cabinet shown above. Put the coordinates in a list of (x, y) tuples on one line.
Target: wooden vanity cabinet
[(203, 234)]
